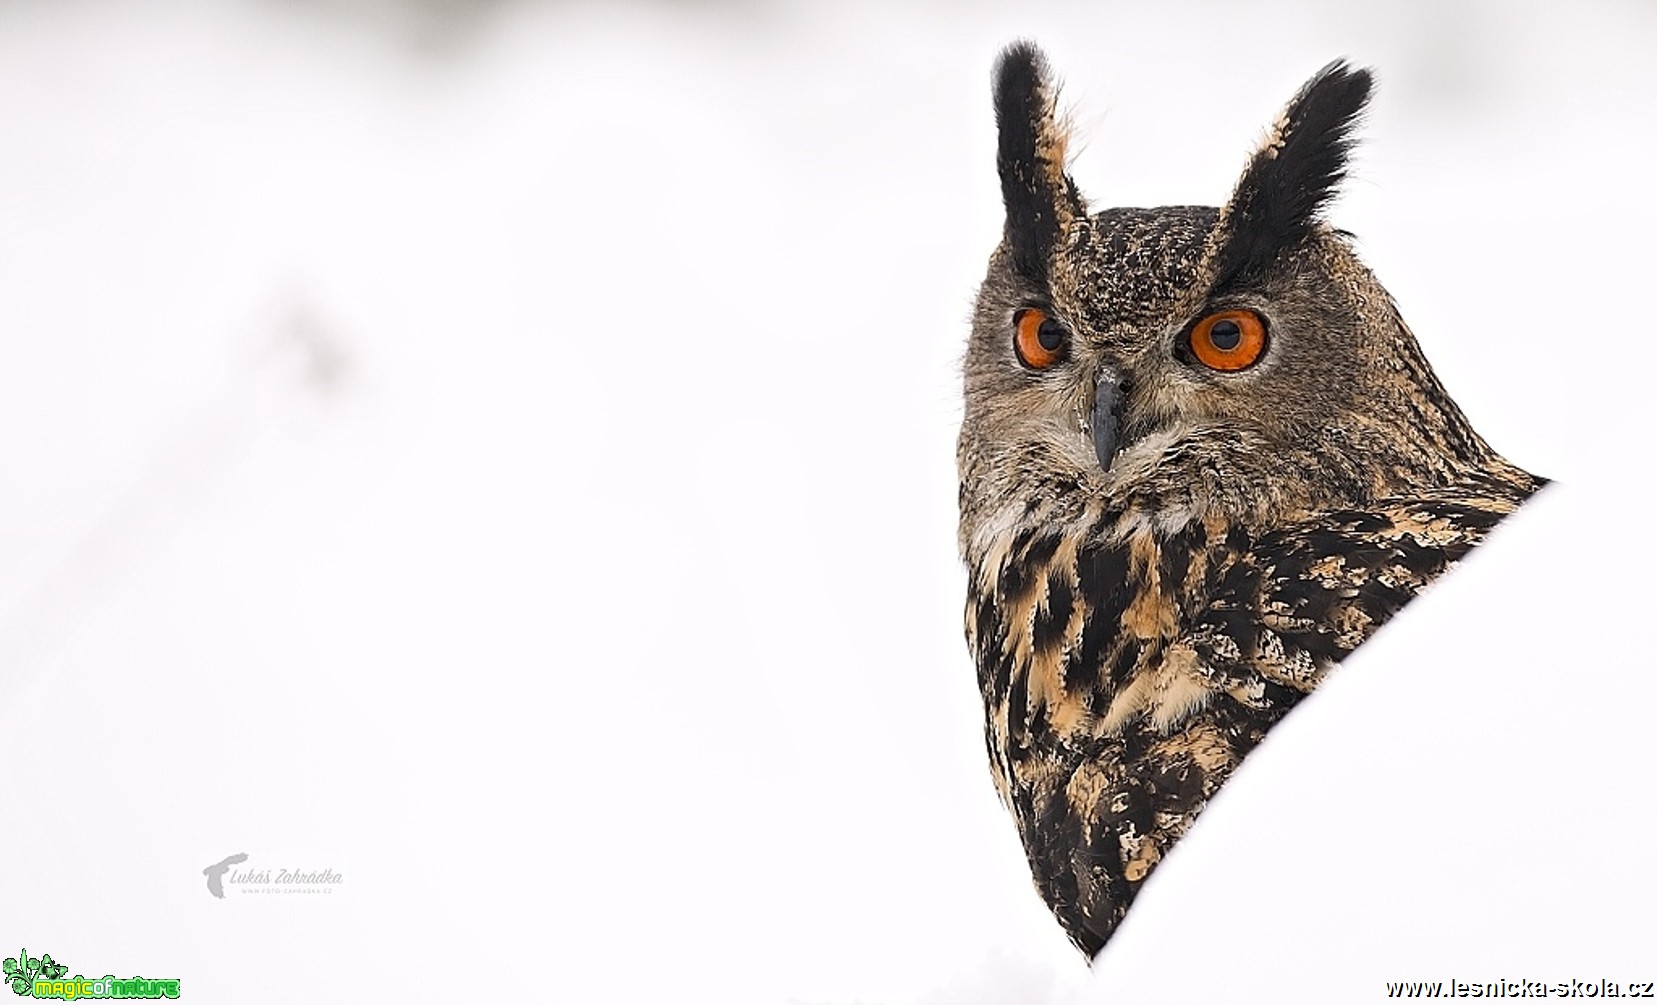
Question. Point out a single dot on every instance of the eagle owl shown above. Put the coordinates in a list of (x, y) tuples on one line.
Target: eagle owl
[(1202, 459)]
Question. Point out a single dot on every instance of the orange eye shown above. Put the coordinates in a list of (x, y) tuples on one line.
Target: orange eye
[(1229, 340), (1040, 340)]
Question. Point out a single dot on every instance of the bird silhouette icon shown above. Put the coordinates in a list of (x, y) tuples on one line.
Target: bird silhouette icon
[(215, 873)]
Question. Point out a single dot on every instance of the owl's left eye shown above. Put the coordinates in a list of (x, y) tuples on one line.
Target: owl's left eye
[(1229, 341), (1039, 340)]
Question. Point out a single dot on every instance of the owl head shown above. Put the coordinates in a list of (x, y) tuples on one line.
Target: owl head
[(1188, 361)]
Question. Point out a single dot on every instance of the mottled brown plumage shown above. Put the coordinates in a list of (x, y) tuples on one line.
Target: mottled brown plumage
[(1164, 557)]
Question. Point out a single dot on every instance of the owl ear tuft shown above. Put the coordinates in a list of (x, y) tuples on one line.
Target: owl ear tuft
[(1292, 176), (1039, 196)]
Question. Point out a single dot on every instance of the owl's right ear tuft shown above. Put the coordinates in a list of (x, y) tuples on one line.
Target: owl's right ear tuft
[(1039, 196)]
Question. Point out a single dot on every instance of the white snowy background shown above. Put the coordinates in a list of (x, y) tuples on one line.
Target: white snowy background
[(503, 453)]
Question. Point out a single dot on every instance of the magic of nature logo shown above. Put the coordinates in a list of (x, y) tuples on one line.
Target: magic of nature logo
[(43, 977)]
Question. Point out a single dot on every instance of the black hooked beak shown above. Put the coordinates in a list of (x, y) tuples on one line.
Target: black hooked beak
[(1109, 396)]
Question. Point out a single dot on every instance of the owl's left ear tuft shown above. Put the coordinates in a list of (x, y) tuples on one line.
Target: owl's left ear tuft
[(1292, 176), (1039, 196)]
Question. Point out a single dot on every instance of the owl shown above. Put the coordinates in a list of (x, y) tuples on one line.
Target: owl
[(1201, 460)]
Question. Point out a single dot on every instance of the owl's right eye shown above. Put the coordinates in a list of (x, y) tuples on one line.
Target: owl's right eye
[(1039, 340)]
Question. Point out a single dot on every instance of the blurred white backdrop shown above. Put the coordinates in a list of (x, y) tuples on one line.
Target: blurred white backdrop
[(503, 453)]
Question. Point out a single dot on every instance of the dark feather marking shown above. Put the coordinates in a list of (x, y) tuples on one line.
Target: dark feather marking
[(1041, 732), (999, 673), (1039, 552), (1103, 571), (1058, 831), (1382, 600), (1013, 582), (1363, 523), (1089, 658), (987, 621), (1021, 542), (1174, 561), (1179, 778), (1317, 642), (1279, 698), (1122, 663), (1053, 617), (1018, 711), (1307, 598), (1024, 804), (1026, 563)]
